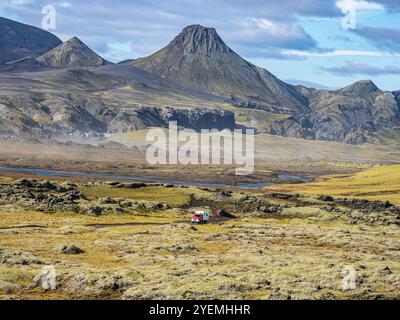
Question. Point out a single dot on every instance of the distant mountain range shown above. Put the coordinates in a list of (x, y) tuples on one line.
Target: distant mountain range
[(53, 88)]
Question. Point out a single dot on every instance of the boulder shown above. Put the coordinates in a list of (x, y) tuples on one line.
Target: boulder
[(221, 213), (95, 210), (66, 249), (108, 201), (324, 198)]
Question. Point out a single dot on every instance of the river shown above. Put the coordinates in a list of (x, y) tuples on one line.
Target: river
[(111, 176)]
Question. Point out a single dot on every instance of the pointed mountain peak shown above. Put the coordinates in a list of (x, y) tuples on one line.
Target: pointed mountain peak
[(196, 38), (72, 53), (199, 58), (75, 40), (197, 28), (360, 87)]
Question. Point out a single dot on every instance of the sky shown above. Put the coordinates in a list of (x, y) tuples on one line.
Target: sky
[(326, 43)]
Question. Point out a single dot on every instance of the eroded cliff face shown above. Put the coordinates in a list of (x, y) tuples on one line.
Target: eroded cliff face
[(192, 118), (81, 116)]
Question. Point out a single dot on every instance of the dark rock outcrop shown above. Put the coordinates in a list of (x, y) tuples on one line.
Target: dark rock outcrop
[(193, 118), (324, 198), (73, 250), (365, 205), (221, 213), (41, 196)]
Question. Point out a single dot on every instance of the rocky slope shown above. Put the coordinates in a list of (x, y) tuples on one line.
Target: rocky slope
[(98, 100), (77, 115), (198, 57), (19, 40), (26, 64), (72, 53), (351, 115)]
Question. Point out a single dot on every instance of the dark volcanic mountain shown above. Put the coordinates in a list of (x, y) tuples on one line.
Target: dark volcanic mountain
[(198, 57), (19, 40), (72, 54)]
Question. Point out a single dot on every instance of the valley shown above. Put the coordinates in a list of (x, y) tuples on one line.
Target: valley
[(125, 155), (109, 238), (80, 202)]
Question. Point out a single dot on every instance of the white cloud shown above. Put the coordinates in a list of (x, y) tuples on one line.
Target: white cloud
[(353, 67), (335, 53), (13, 3), (264, 33), (352, 5), (64, 5), (273, 28)]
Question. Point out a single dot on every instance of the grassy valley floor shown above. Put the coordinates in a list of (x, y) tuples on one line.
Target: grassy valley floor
[(377, 183), (138, 242)]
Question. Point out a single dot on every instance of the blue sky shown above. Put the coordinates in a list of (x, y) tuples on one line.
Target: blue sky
[(296, 40)]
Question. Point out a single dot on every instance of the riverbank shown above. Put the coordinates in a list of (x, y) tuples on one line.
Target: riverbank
[(282, 178)]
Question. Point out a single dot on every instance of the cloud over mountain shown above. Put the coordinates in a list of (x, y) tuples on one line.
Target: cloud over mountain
[(353, 67), (383, 38), (277, 34)]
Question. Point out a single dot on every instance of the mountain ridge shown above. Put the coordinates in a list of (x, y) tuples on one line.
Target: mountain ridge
[(195, 79), (19, 40)]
